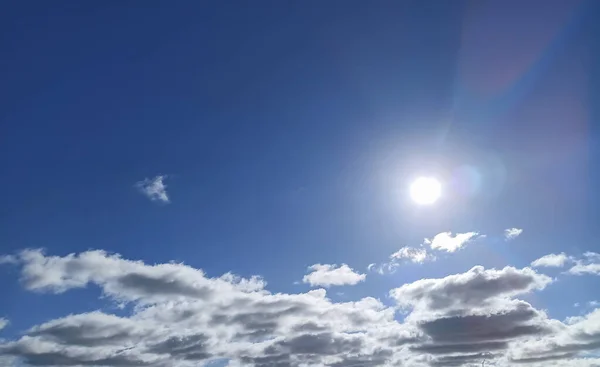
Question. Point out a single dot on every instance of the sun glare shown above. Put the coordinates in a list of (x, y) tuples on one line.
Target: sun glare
[(425, 190)]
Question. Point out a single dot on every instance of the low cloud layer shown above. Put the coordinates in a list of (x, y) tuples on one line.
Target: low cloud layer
[(326, 275), (182, 318)]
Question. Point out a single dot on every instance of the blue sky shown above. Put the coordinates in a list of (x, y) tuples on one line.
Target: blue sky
[(151, 151)]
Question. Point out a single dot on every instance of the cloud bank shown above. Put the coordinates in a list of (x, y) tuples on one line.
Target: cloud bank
[(181, 317)]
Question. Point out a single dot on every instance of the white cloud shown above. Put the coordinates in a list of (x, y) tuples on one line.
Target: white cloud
[(551, 260), (581, 269), (154, 188), (3, 322), (592, 256), (411, 254), (416, 255), (183, 318), (326, 275), (445, 241), (471, 289), (512, 233), (589, 264), (580, 334)]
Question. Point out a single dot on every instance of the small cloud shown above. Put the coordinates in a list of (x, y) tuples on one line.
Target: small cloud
[(445, 241), (326, 275), (154, 188), (512, 233), (581, 269), (3, 323), (8, 259), (416, 255), (576, 304), (412, 254), (551, 261)]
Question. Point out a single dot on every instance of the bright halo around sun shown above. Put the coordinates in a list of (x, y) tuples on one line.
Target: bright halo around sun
[(425, 190)]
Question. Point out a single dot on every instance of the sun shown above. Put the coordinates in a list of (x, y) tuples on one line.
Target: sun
[(425, 190)]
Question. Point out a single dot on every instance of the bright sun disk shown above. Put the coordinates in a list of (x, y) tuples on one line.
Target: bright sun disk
[(425, 190)]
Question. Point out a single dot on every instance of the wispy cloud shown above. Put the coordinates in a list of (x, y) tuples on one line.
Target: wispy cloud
[(3, 323), (154, 188), (445, 241), (326, 275), (8, 259), (580, 269), (407, 254), (415, 255), (512, 233), (551, 260), (589, 264)]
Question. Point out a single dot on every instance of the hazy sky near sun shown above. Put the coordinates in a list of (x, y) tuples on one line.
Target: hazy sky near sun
[(228, 183)]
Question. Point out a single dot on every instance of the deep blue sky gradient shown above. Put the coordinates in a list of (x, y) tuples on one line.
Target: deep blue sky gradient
[(288, 131)]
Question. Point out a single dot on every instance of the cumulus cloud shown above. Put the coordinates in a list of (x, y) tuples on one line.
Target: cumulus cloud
[(180, 317), (551, 260), (184, 318), (512, 233), (475, 288), (154, 188), (581, 335), (473, 314), (326, 275), (445, 241)]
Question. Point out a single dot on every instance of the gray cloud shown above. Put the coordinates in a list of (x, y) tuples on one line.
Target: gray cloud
[(462, 359), (471, 289), (580, 336), (90, 329), (182, 318), (519, 321)]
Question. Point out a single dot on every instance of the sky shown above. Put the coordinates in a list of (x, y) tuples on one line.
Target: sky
[(228, 183)]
